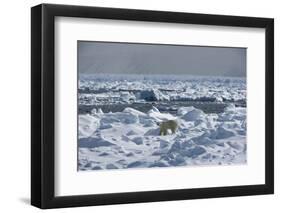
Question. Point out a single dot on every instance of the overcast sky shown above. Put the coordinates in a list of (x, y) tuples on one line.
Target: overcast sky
[(130, 58)]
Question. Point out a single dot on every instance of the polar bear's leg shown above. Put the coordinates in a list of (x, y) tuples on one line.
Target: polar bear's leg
[(165, 131), (161, 130)]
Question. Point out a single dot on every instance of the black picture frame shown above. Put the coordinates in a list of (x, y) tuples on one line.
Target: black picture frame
[(43, 102)]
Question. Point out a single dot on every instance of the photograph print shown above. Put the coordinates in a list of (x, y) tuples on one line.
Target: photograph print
[(160, 105)]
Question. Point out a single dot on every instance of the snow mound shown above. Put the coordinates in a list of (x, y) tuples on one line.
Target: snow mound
[(154, 109), (184, 110), (152, 132), (193, 115), (158, 116), (195, 152), (222, 133), (93, 142), (133, 112), (153, 95), (100, 111), (88, 125), (138, 140), (120, 117)]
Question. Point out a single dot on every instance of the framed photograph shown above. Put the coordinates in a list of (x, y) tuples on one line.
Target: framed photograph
[(139, 106)]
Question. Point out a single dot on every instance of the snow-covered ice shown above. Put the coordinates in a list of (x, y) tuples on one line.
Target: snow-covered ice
[(130, 138), (108, 89)]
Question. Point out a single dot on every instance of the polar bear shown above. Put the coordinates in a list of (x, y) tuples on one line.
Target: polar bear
[(166, 125)]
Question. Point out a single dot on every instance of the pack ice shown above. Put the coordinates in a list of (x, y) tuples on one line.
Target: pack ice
[(131, 139)]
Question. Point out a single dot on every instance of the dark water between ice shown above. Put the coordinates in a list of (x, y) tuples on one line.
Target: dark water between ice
[(167, 107)]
